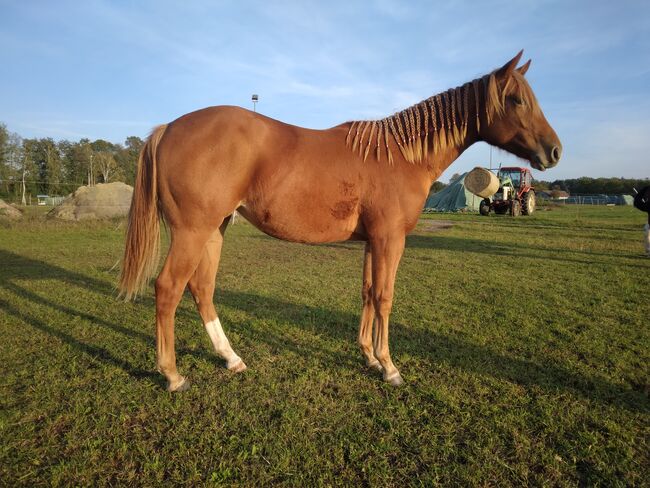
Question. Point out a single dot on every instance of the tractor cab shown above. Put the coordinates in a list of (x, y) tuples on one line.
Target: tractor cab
[(520, 178), (515, 195)]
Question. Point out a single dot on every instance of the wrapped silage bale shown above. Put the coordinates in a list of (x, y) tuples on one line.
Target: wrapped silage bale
[(482, 182)]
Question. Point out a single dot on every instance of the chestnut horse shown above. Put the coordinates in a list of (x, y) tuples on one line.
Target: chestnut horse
[(363, 180)]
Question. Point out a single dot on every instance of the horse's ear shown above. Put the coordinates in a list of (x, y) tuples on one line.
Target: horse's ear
[(524, 67), (506, 70)]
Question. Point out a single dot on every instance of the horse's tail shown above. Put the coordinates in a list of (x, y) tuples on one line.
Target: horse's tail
[(142, 249)]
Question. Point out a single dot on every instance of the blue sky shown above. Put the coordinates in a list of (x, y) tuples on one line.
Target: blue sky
[(111, 69)]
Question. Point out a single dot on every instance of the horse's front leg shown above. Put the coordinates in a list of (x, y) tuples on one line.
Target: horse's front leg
[(367, 312), (386, 254)]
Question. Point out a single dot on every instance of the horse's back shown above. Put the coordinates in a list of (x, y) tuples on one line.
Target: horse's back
[(293, 183)]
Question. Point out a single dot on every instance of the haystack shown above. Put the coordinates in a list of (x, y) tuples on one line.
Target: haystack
[(9, 212), (102, 201)]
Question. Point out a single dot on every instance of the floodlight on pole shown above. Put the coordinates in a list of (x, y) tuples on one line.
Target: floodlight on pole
[(255, 98)]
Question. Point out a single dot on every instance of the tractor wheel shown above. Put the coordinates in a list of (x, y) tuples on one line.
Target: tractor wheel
[(484, 207), (515, 208), (529, 203)]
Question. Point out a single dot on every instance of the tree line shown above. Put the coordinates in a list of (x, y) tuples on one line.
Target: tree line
[(57, 168), (595, 186), (578, 186)]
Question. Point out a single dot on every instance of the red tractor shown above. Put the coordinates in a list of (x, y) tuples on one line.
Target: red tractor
[(515, 195)]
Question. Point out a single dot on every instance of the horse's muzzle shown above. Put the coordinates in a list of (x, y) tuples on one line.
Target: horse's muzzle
[(547, 157)]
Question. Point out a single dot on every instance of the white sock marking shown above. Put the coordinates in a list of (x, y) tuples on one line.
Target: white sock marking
[(221, 343)]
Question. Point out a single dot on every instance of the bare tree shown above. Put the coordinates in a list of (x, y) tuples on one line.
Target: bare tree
[(106, 165)]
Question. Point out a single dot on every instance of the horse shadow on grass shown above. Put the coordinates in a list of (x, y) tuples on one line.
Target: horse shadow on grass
[(336, 324), (565, 256), (18, 271)]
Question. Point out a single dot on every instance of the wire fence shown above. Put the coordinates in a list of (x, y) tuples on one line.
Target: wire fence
[(596, 199)]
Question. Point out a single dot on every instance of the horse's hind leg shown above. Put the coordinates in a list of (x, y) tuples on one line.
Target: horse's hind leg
[(182, 259), (202, 285), (367, 313)]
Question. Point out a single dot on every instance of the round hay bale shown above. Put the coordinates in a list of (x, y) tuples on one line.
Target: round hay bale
[(481, 182), (9, 211), (102, 201)]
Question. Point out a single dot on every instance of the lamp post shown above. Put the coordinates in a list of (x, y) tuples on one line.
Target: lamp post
[(255, 98)]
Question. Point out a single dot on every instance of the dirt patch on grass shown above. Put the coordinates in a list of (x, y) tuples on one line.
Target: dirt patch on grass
[(435, 225)]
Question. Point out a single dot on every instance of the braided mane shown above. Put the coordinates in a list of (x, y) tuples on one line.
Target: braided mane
[(443, 118)]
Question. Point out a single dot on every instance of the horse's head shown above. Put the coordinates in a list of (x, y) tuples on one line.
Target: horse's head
[(514, 121)]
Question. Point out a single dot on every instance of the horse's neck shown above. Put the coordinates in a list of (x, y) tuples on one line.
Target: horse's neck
[(438, 162), (458, 120)]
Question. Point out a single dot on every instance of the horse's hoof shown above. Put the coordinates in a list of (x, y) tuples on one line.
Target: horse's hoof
[(375, 365), (238, 367), (181, 386), (395, 379)]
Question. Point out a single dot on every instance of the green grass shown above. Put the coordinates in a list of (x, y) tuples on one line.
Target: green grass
[(524, 345)]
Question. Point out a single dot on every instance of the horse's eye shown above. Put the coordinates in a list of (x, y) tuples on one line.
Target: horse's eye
[(516, 100)]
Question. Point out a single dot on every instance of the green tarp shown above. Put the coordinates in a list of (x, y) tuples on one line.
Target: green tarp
[(453, 198)]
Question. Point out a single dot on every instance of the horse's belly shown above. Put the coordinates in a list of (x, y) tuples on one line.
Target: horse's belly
[(313, 225)]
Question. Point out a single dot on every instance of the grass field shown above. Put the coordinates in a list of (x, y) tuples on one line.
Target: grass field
[(524, 345)]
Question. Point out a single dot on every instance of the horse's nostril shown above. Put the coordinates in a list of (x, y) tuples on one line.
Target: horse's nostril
[(555, 154)]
